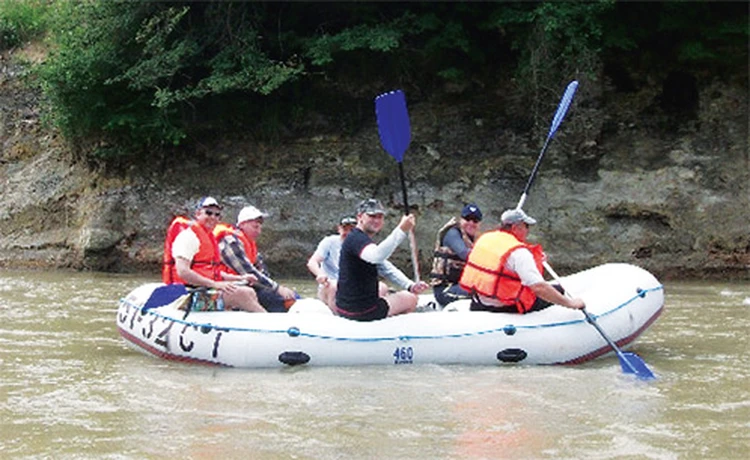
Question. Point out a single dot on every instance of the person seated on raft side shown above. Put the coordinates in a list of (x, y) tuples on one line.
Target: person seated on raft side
[(239, 253), (324, 264), (452, 246), (358, 297), (195, 262), (518, 285)]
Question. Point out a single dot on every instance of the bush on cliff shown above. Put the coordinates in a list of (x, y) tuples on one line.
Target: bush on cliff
[(21, 21), (146, 75)]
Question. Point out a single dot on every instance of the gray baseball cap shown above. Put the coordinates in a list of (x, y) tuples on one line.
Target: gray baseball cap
[(348, 220), (370, 207), (514, 216)]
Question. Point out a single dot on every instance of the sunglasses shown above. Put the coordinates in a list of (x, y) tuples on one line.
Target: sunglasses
[(212, 213), (472, 219)]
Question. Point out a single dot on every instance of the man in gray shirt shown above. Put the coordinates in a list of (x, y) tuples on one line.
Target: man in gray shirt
[(452, 246)]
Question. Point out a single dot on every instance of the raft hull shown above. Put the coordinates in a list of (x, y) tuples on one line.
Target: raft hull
[(625, 299)]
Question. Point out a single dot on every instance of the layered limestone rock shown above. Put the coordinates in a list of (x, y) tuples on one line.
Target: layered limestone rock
[(628, 178)]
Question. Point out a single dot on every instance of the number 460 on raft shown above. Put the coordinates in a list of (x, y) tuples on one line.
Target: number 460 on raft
[(403, 355)]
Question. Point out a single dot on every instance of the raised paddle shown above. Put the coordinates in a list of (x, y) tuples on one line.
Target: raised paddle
[(562, 109), (395, 137), (630, 362)]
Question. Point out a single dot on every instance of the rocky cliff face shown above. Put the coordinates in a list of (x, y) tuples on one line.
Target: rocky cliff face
[(656, 175)]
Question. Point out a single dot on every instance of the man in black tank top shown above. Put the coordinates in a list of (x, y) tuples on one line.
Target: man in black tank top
[(357, 296)]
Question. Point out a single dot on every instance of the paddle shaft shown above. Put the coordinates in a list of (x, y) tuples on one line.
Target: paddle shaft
[(643, 373), (637, 366), (533, 175), (562, 109), (620, 354), (412, 238), (589, 318), (403, 187), (395, 135)]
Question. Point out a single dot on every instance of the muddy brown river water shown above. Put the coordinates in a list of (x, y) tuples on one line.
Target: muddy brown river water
[(70, 388)]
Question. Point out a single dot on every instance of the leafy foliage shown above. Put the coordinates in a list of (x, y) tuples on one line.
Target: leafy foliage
[(21, 21), (146, 75), (700, 34)]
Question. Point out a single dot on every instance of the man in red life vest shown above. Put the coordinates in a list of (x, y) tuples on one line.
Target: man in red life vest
[(238, 250), (504, 273), (197, 262)]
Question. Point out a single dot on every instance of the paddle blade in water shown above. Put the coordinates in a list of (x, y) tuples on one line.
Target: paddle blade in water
[(393, 123), (164, 295), (630, 362), (633, 364)]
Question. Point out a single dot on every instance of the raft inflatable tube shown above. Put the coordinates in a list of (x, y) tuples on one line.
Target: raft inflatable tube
[(624, 299)]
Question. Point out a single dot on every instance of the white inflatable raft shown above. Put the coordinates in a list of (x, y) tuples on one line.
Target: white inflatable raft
[(624, 299)]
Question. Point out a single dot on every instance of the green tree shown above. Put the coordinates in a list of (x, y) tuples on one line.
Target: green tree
[(147, 75), (21, 21)]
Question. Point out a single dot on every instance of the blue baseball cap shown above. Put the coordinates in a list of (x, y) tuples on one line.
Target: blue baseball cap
[(471, 210)]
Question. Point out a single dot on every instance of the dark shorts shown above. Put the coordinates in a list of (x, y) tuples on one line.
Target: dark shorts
[(374, 313), (476, 305), (271, 300), (447, 293)]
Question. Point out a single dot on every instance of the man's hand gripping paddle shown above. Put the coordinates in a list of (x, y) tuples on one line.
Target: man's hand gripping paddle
[(395, 137)]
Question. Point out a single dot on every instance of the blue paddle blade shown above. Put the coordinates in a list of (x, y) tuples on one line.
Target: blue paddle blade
[(164, 295), (393, 123), (630, 362), (562, 108), (633, 364)]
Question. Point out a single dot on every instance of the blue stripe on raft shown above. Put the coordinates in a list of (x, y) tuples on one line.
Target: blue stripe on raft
[(421, 337)]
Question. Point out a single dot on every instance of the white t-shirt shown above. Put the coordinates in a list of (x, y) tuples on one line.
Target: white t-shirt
[(522, 262), (186, 245), (329, 250)]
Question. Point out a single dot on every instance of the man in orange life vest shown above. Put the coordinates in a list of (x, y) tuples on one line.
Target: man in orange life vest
[(504, 273), (195, 259), (239, 253)]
